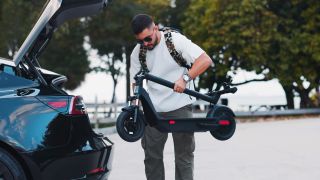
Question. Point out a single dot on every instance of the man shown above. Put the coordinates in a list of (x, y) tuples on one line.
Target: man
[(167, 102)]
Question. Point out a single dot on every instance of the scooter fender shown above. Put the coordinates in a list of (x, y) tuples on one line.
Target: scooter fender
[(128, 109), (220, 108), (131, 110)]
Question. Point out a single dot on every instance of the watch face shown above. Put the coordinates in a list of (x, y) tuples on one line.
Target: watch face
[(185, 78)]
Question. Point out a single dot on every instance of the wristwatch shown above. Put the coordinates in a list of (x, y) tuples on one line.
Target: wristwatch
[(186, 77)]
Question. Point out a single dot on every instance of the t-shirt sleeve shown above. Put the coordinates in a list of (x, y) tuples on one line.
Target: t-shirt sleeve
[(190, 51), (134, 63)]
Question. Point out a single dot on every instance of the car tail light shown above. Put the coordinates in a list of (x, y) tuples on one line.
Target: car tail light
[(97, 170), (77, 106), (58, 104)]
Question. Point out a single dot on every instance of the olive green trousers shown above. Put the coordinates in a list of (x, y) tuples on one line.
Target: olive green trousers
[(153, 143)]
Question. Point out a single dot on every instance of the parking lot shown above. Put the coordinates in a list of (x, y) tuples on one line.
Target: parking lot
[(277, 150)]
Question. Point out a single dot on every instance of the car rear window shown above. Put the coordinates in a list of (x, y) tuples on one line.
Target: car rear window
[(8, 69)]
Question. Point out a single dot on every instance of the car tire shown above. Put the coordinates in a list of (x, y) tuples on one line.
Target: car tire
[(10, 169)]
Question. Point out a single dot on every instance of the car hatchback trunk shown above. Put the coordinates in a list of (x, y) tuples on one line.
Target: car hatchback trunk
[(48, 129)]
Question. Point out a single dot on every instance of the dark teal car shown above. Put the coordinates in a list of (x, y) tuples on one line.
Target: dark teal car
[(44, 132)]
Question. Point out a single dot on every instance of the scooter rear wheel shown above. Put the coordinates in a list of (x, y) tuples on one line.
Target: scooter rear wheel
[(129, 130), (224, 132)]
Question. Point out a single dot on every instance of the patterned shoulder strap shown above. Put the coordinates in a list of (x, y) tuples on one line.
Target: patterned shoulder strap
[(173, 52), (142, 58)]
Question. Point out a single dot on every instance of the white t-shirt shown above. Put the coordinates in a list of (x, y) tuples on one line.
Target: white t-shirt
[(161, 64)]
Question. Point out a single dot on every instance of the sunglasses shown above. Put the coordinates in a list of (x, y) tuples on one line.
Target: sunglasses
[(146, 39)]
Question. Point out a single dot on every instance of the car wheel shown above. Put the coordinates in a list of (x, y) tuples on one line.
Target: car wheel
[(127, 129), (10, 169)]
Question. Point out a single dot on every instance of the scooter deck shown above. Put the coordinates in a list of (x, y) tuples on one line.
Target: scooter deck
[(190, 124)]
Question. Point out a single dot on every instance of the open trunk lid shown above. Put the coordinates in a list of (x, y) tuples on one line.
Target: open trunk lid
[(54, 14)]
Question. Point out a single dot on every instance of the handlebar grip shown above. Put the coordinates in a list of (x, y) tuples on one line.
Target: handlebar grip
[(233, 90), (230, 90)]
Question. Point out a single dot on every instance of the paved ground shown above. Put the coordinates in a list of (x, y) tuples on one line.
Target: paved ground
[(279, 150)]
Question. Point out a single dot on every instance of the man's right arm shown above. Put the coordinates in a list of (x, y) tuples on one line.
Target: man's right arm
[(134, 65)]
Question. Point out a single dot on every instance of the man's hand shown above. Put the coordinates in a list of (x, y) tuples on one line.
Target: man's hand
[(179, 85)]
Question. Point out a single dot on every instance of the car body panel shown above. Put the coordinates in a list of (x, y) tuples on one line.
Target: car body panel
[(25, 120), (10, 82), (51, 140)]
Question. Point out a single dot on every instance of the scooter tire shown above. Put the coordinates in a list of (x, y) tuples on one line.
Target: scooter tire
[(223, 132), (127, 129)]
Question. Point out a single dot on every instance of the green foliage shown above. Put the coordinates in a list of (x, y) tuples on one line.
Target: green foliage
[(16, 20), (235, 33), (173, 16), (65, 53), (110, 33), (278, 38)]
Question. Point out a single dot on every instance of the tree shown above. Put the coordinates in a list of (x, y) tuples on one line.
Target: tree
[(66, 55), (15, 25), (110, 33), (268, 37), (297, 48), (174, 14)]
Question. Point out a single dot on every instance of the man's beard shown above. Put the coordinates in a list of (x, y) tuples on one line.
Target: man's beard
[(155, 44)]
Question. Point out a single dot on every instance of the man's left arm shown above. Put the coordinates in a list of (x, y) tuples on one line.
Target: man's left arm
[(200, 65), (192, 53)]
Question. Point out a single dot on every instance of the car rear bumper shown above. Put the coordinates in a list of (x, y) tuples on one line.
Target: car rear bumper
[(92, 161)]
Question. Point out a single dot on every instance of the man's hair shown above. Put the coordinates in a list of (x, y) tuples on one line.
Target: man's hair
[(141, 22)]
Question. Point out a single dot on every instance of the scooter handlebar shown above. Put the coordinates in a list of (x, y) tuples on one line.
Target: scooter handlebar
[(171, 85), (229, 90), (233, 90), (205, 97)]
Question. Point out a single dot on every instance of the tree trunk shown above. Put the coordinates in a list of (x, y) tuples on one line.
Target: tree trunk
[(318, 92), (289, 96), (305, 99), (127, 71), (115, 82), (318, 96), (114, 91)]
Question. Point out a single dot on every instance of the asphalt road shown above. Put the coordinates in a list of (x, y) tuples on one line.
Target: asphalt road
[(277, 150)]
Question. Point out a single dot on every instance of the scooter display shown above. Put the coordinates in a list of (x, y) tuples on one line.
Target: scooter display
[(132, 120)]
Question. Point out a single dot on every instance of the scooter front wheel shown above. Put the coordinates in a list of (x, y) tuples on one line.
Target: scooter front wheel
[(129, 130)]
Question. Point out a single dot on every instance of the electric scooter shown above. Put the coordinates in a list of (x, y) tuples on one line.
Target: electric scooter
[(132, 120)]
